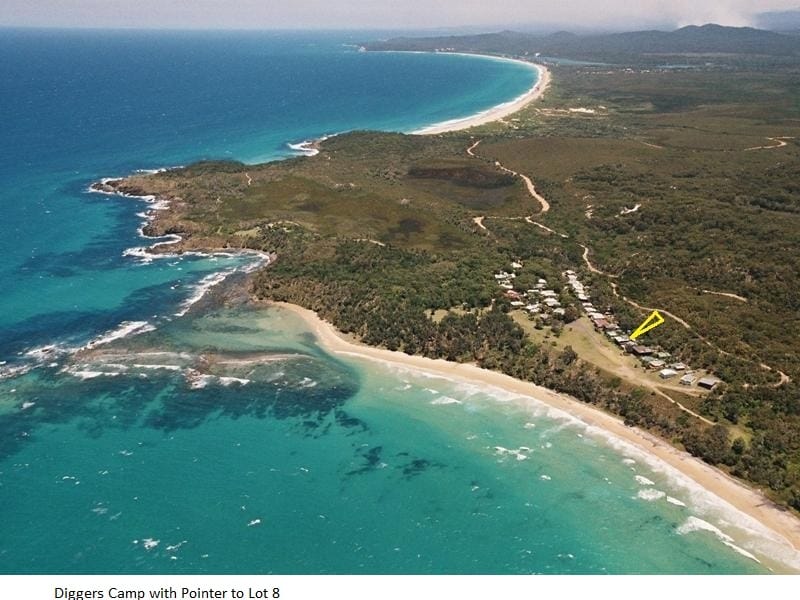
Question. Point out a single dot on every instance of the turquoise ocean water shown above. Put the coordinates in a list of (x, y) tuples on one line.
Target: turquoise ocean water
[(226, 440)]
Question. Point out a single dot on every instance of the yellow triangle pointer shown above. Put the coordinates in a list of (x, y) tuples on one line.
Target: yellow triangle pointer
[(654, 320)]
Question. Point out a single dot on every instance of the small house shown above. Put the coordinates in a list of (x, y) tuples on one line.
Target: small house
[(639, 350), (679, 366), (667, 373), (657, 363), (708, 383), (687, 379)]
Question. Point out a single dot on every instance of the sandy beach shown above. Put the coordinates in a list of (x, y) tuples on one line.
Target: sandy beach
[(780, 523), (497, 112)]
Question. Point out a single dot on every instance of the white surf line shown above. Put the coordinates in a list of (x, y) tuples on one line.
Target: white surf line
[(499, 111), (710, 489), (779, 143)]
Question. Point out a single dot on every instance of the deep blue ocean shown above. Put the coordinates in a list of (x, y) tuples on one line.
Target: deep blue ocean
[(80, 105), (226, 440)]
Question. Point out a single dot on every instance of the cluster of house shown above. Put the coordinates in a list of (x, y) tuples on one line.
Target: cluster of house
[(651, 358), (542, 301), (536, 301)]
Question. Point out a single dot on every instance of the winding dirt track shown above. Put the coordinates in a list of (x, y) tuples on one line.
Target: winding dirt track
[(783, 377), (527, 180), (726, 294), (649, 145), (545, 206), (779, 143), (545, 227), (591, 267), (471, 149), (528, 184)]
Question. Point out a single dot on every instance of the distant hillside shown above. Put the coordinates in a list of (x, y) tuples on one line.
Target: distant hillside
[(692, 40), (784, 20)]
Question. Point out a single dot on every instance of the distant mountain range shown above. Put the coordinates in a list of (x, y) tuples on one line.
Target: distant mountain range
[(692, 40), (783, 20)]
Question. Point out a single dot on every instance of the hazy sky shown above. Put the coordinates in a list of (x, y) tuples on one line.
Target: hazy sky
[(382, 14)]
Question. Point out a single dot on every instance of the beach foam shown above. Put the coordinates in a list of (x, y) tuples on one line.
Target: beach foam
[(306, 148), (226, 381), (125, 329), (205, 284), (675, 501), (444, 400), (693, 524), (650, 495), (751, 533)]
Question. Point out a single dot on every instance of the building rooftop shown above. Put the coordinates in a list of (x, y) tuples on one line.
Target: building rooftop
[(708, 382)]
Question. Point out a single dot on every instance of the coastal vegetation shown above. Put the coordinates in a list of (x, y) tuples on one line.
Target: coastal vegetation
[(395, 239)]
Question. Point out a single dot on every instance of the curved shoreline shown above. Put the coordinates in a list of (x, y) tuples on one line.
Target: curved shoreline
[(783, 527), (497, 112), (489, 115)]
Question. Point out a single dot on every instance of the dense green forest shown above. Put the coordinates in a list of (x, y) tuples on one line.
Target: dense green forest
[(378, 234)]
